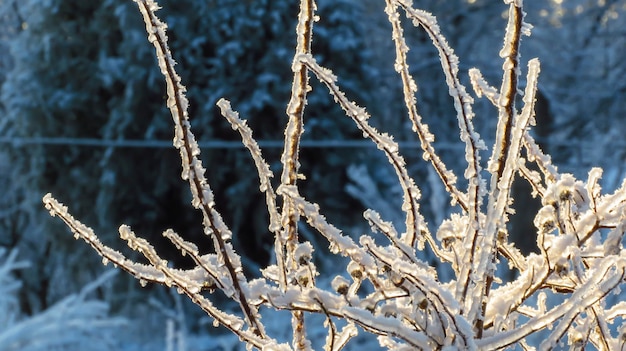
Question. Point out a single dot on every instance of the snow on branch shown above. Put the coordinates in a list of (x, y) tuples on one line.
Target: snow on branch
[(389, 288)]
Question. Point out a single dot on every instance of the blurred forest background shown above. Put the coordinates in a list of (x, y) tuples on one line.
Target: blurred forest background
[(83, 115)]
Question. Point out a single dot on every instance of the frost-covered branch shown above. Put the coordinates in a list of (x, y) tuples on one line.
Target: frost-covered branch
[(285, 244), (193, 171), (389, 285), (409, 88)]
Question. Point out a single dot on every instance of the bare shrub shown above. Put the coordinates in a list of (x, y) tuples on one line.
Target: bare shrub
[(389, 290)]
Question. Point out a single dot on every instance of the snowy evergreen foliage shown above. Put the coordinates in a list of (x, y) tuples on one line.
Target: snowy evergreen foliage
[(74, 323), (391, 288)]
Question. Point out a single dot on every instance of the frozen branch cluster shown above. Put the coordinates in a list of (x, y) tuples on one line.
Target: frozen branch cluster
[(389, 289)]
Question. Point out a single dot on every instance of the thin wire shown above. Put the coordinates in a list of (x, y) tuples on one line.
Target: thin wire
[(17, 142), (224, 144)]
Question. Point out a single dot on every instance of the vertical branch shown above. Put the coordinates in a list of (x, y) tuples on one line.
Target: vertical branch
[(193, 172), (290, 160), (506, 97), (473, 144), (497, 207), (294, 129), (501, 157), (409, 88), (508, 90), (505, 248)]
